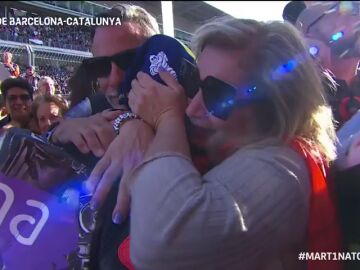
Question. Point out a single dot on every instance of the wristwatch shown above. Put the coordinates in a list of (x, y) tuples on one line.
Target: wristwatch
[(121, 119)]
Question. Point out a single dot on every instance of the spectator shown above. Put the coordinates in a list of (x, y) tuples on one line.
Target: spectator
[(324, 22), (46, 86), (48, 110), (137, 26), (101, 72), (18, 95), (60, 74), (323, 26), (13, 68), (31, 77), (264, 186)]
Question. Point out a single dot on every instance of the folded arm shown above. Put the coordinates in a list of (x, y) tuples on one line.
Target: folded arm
[(241, 208)]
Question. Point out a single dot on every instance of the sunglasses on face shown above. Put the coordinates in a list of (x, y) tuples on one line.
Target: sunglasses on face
[(346, 46), (23, 98), (98, 67), (220, 98)]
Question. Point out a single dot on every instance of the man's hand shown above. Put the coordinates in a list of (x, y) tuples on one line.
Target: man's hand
[(124, 153), (93, 134)]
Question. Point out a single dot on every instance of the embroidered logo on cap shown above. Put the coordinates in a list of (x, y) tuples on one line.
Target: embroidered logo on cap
[(160, 61)]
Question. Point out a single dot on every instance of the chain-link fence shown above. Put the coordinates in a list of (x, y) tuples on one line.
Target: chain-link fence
[(57, 63), (20, 53), (56, 59), (24, 54)]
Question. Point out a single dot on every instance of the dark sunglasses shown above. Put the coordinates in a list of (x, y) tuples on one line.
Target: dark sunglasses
[(343, 48), (220, 98), (98, 67), (23, 97)]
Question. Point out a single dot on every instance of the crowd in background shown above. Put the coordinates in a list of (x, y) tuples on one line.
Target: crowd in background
[(61, 76), (47, 86), (66, 37)]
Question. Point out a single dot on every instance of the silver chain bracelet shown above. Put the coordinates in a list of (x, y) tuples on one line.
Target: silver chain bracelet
[(122, 119)]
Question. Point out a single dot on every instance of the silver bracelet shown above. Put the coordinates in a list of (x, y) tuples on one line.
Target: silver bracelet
[(122, 119)]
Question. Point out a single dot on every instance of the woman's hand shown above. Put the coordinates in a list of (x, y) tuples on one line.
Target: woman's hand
[(153, 101)]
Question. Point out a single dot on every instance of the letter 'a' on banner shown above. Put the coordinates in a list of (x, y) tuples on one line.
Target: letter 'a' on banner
[(37, 230)]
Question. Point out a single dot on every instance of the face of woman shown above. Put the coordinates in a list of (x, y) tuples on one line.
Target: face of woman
[(47, 114), (223, 65)]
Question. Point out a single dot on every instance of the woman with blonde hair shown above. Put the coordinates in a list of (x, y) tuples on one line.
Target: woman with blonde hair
[(258, 93)]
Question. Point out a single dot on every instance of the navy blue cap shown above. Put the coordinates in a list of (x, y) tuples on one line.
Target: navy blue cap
[(160, 52)]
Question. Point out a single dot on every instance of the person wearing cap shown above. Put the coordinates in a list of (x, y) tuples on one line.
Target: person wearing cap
[(133, 136), (93, 134), (31, 76), (331, 30), (18, 95)]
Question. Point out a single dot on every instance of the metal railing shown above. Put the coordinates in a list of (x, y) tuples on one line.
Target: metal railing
[(29, 54), (55, 62)]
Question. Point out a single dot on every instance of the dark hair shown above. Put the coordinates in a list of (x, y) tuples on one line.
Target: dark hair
[(16, 82), (80, 86), (2, 101), (292, 11)]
